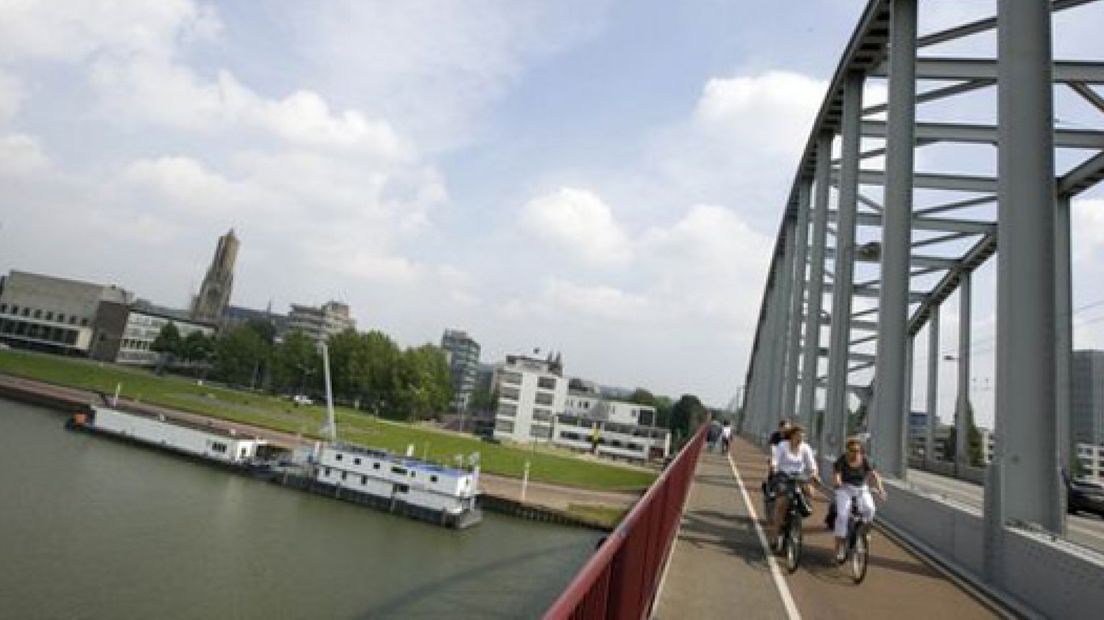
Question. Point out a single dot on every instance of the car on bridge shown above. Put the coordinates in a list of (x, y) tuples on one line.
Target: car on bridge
[(1086, 496)]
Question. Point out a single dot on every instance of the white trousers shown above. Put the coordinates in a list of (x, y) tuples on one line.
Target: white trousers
[(844, 496)]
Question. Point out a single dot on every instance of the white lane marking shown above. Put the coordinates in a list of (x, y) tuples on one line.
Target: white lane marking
[(783, 589)]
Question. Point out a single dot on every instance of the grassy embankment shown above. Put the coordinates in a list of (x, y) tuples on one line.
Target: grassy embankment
[(271, 412)]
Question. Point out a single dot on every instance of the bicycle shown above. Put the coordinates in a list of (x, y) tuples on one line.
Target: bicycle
[(790, 531), (857, 542)]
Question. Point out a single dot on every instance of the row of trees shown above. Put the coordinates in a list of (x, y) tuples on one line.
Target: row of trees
[(369, 370)]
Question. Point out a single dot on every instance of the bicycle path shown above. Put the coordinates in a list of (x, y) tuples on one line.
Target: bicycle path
[(717, 568), (897, 584)]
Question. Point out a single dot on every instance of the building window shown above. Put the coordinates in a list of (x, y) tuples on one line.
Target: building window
[(507, 409), (546, 383), (364, 479), (413, 474), (3, 307), (26, 311), (72, 320), (38, 313), (327, 471), (356, 461), (50, 316), (504, 426), (344, 475), (84, 322), (433, 478), (338, 457), (509, 393), (375, 465), (544, 415), (512, 378), (398, 470), (540, 432), (545, 398)]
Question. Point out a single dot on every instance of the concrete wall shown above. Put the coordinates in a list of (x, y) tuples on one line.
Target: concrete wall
[(1052, 578)]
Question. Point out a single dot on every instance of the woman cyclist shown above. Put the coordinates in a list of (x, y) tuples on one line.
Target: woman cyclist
[(793, 457), (852, 471)]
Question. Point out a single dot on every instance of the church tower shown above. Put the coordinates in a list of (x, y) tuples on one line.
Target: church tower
[(214, 295)]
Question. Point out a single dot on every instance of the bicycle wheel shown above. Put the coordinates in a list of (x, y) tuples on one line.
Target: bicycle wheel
[(860, 553), (793, 544)]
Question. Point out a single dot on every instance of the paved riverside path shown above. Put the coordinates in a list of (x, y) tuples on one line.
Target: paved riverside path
[(719, 568)]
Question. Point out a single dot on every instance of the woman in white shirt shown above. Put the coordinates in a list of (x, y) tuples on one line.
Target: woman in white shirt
[(793, 457)]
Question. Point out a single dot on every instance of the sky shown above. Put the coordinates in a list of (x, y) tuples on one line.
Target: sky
[(602, 178)]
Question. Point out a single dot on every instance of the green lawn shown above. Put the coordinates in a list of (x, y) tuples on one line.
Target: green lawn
[(272, 412)]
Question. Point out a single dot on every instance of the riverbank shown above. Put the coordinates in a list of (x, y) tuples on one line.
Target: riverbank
[(270, 412), (542, 501)]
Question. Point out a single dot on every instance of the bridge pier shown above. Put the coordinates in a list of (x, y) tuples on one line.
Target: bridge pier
[(889, 419), (810, 367), (835, 427), (1025, 390)]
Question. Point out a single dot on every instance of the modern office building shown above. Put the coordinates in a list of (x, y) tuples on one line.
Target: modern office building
[(125, 332), (530, 394), (1087, 398), (214, 295), (1092, 461), (917, 433), (463, 352), (322, 322), (612, 428), (235, 316), (52, 314)]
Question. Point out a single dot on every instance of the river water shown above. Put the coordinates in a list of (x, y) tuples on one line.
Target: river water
[(92, 528)]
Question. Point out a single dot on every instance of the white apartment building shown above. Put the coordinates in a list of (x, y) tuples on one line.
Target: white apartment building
[(531, 393), (611, 428), (320, 323)]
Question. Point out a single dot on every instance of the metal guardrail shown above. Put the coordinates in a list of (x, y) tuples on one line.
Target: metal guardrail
[(621, 578)]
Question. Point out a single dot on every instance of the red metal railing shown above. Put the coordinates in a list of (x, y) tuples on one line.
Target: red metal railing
[(621, 578)]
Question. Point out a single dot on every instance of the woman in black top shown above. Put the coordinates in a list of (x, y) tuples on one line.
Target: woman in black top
[(852, 470)]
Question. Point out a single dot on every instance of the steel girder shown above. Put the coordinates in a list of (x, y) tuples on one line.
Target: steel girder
[(866, 58)]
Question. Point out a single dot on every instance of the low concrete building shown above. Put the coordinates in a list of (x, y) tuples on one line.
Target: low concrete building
[(320, 323), (52, 314), (612, 428)]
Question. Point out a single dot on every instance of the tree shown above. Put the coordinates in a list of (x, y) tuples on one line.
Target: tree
[(197, 349), (424, 384), (974, 450), (483, 399), (240, 355), (168, 344), (687, 415), (641, 396), (296, 364)]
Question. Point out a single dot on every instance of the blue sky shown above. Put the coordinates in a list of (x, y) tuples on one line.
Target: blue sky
[(600, 177)]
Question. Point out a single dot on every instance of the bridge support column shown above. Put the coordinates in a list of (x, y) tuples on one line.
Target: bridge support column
[(962, 403), (836, 406), (889, 423), (797, 296), (1025, 392), (810, 366), (933, 384), (784, 281), (1063, 361)]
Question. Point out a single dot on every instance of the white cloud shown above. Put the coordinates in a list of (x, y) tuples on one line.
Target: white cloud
[(579, 225), (21, 155), (770, 112), (11, 96), (77, 29), (605, 302), (437, 67)]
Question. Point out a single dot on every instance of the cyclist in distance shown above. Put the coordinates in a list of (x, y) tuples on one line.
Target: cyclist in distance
[(852, 471), (792, 457)]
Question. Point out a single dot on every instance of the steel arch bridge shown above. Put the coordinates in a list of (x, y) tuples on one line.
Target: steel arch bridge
[(870, 247)]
